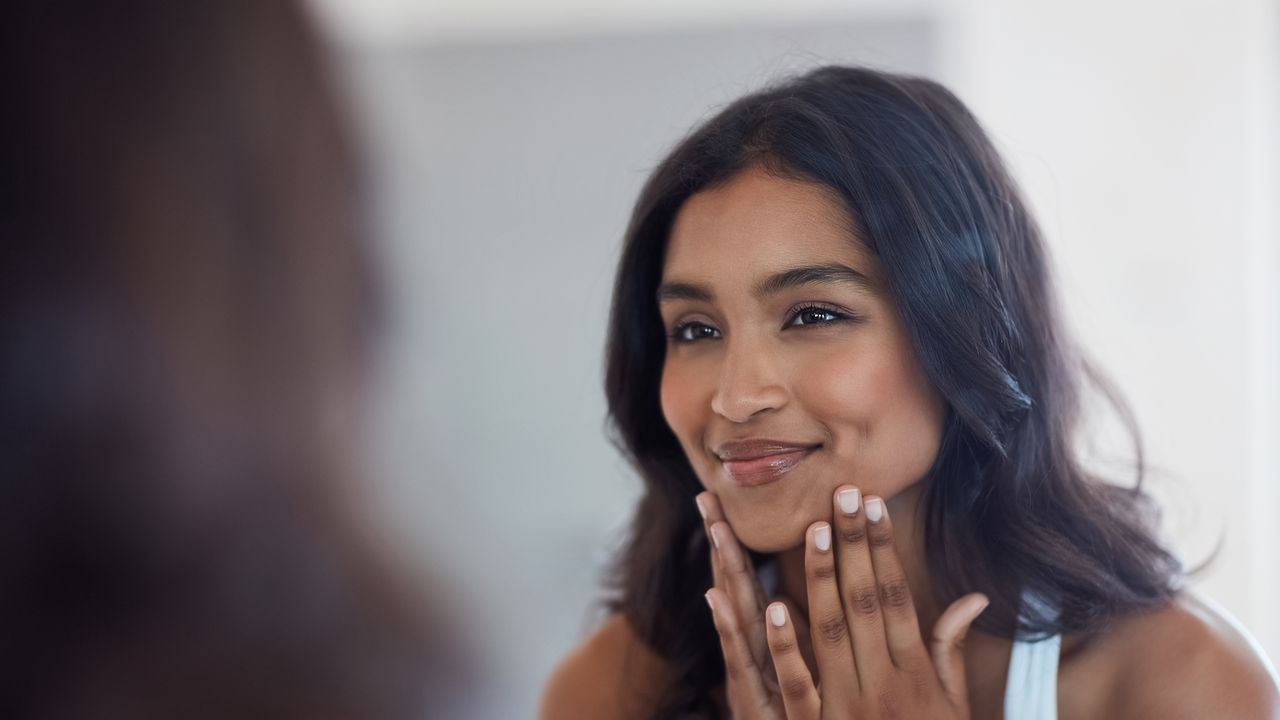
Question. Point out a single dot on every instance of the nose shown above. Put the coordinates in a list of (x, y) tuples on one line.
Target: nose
[(750, 383)]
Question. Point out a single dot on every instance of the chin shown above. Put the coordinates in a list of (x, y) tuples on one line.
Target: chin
[(772, 543), (768, 531)]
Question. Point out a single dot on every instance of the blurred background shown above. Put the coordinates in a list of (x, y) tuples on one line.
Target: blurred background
[(507, 140)]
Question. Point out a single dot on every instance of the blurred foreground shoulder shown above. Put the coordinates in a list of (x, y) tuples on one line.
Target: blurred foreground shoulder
[(612, 675), (1191, 660)]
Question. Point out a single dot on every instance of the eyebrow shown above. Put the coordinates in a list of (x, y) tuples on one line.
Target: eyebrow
[(829, 274)]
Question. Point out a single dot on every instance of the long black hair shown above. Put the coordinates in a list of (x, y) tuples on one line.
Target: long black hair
[(1008, 507)]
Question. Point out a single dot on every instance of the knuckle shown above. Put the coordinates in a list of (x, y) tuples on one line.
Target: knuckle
[(730, 561), (916, 662), (782, 645), (941, 641), (833, 629), (853, 534), (747, 662), (724, 625), (920, 687), (738, 668), (881, 538), (793, 687), (732, 671), (890, 704), (824, 571), (865, 600), (895, 594)]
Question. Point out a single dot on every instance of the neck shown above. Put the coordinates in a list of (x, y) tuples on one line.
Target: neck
[(908, 534)]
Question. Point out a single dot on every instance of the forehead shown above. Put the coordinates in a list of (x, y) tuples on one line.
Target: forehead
[(758, 223)]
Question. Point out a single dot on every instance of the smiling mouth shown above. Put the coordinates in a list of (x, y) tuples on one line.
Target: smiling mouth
[(763, 465)]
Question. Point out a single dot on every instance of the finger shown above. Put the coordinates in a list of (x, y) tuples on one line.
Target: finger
[(744, 594), (901, 625), (708, 509), (739, 582), (733, 572), (948, 645), (709, 506), (832, 648), (745, 682), (859, 591), (795, 617), (795, 682)]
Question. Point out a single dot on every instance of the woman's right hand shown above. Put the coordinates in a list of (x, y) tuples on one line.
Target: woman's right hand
[(738, 602)]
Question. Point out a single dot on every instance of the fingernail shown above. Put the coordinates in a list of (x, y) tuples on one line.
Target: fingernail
[(875, 509), (710, 604), (848, 500), (715, 535), (702, 509), (822, 537), (777, 615)]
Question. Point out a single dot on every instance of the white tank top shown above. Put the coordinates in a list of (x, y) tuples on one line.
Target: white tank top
[(1031, 692)]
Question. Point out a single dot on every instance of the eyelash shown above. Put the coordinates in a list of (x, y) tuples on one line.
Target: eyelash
[(837, 315)]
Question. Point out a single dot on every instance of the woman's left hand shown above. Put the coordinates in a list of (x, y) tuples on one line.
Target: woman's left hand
[(867, 645)]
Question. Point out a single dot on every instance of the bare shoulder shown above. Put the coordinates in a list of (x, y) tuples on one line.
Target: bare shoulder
[(611, 675), (1188, 660)]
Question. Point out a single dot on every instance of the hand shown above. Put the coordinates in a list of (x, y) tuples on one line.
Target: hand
[(738, 602), (866, 638)]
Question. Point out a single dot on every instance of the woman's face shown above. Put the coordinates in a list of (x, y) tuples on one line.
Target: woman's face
[(788, 371)]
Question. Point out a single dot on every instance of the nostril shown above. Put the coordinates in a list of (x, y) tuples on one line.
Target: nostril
[(740, 406)]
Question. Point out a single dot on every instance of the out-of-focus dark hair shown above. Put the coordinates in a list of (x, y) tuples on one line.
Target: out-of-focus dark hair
[(184, 297), (1008, 507)]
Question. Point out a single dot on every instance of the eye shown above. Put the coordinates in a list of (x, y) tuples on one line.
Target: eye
[(816, 315), (694, 331)]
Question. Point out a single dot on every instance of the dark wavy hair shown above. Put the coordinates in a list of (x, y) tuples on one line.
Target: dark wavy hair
[(186, 297), (1008, 506)]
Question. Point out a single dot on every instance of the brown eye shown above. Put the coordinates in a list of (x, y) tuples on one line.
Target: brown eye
[(694, 331), (815, 315)]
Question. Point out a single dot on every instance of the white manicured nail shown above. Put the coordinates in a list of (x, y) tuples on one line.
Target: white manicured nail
[(715, 535), (875, 509), (702, 509), (848, 500), (777, 615), (822, 537)]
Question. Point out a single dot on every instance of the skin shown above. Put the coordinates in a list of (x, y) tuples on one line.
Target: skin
[(863, 633), (823, 363), (841, 375)]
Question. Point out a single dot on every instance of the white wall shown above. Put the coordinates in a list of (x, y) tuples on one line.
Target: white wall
[(509, 140), (1146, 135)]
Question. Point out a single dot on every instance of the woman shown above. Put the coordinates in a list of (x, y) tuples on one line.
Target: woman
[(185, 292), (834, 336)]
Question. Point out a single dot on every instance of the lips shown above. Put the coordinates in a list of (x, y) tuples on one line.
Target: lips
[(757, 462)]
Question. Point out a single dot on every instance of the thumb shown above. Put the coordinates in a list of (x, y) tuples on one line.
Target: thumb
[(947, 646), (803, 638)]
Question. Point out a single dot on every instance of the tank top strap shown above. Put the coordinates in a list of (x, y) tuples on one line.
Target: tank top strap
[(1031, 691)]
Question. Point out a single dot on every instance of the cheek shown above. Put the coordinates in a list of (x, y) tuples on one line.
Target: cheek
[(684, 399), (883, 414)]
